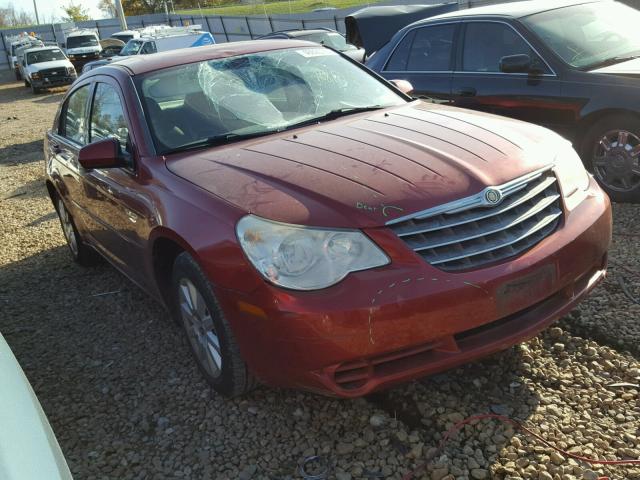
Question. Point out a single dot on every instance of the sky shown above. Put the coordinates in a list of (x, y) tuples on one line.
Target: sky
[(49, 9)]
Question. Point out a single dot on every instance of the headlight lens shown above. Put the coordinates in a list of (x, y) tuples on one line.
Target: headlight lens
[(35, 76), (71, 71), (570, 170), (303, 258)]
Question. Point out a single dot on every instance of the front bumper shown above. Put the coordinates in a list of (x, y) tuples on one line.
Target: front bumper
[(400, 322), (50, 82)]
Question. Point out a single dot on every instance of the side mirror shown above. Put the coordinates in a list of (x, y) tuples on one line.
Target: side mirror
[(403, 85), (520, 63), (102, 154)]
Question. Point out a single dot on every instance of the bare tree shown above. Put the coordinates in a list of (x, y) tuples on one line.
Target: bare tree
[(10, 17), (108, 7)]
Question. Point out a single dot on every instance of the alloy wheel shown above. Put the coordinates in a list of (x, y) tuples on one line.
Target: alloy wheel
[(68, 228), (198, 324), (616, 162)]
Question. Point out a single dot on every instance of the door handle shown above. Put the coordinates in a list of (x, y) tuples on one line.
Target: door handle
[(466, 92)]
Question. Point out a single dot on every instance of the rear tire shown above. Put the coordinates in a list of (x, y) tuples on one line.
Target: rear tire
[(209, 334), (80, 252), (611, 150)]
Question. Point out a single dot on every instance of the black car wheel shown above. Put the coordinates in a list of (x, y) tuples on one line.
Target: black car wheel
[(18, 77), (611, 150), (26, 84), (210, 337), (34, 90), (81, 253)]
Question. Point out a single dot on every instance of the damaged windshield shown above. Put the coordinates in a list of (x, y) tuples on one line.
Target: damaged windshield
[(231, 99)]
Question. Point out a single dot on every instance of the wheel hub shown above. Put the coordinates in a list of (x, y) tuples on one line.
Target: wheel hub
[(198, 324), (616, 160)]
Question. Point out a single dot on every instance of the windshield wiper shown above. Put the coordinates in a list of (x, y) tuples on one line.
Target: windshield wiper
[(610, 61), (333, 114), (218, 140)]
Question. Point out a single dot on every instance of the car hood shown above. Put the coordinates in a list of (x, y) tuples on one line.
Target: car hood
[(630, 68), (367, 169), (46, 65), (28, 448)]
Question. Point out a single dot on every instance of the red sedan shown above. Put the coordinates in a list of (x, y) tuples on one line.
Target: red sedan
[(310, 225)]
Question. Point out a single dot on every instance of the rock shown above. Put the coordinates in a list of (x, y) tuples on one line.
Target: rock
[(247, 472), (377, 420), (343, 476), (162, 422), (590, 475), (344, 448), (479, 473), (542, 475), (439, 473), (556, 458)]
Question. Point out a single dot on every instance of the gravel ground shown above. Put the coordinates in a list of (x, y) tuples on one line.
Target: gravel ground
[(124, 397)]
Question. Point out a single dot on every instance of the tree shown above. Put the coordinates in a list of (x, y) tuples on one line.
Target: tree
[(10, 17), (75, 13), (108, 7)]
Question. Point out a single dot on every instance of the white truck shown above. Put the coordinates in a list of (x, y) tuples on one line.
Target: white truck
[(17, 44), (126, 35), (82, 45), (45, 67), (163, 38)]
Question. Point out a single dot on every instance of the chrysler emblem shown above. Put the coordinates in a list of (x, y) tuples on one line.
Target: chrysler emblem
[(493, 196)]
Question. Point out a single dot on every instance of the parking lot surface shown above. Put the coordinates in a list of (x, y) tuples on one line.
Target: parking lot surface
[(115, 377)]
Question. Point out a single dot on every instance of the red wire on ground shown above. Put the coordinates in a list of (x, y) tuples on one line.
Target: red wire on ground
[(519, 426)]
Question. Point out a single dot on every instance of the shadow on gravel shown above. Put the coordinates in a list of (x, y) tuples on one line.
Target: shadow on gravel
[(433, 405), (54, 96), (21, 152), (32, 189)]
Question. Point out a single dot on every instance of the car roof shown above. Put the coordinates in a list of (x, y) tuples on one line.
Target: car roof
[(303, 33), (511, 10), (138, 64), (39, 49)]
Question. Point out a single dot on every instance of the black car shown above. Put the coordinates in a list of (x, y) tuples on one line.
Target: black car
[(569, 66), (324, 36)]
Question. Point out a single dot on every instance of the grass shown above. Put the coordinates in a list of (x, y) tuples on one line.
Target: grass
[(275, 7)]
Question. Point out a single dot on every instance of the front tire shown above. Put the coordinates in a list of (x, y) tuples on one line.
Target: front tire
[(80, 252), (34, 90), (611, 150), (209, 334), (18, 77), (26, 83)]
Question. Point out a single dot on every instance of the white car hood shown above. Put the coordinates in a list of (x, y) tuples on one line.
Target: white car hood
[(28, 448), (36, 67)]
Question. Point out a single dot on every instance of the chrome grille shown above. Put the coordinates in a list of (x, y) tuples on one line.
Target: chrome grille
[(53, 72), (471, 232)]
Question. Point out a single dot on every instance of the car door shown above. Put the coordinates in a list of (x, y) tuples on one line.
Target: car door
[(425, 57), (116, 200), (64, 144), (479, 84)]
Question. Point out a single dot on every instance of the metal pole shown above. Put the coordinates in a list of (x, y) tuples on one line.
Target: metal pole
[(120, 14), (35, 9)]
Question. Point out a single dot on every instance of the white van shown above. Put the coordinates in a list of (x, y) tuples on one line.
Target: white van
[(82, 45), (154, 40)]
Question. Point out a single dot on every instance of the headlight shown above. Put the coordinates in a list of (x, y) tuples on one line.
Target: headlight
[(303, 258), (35, 76), (71, 71), (570, 170)]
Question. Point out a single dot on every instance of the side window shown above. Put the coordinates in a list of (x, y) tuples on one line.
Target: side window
[(486, 43), (428, 50), (107, 118), (148, 47), (74, 122), (398, 61)]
